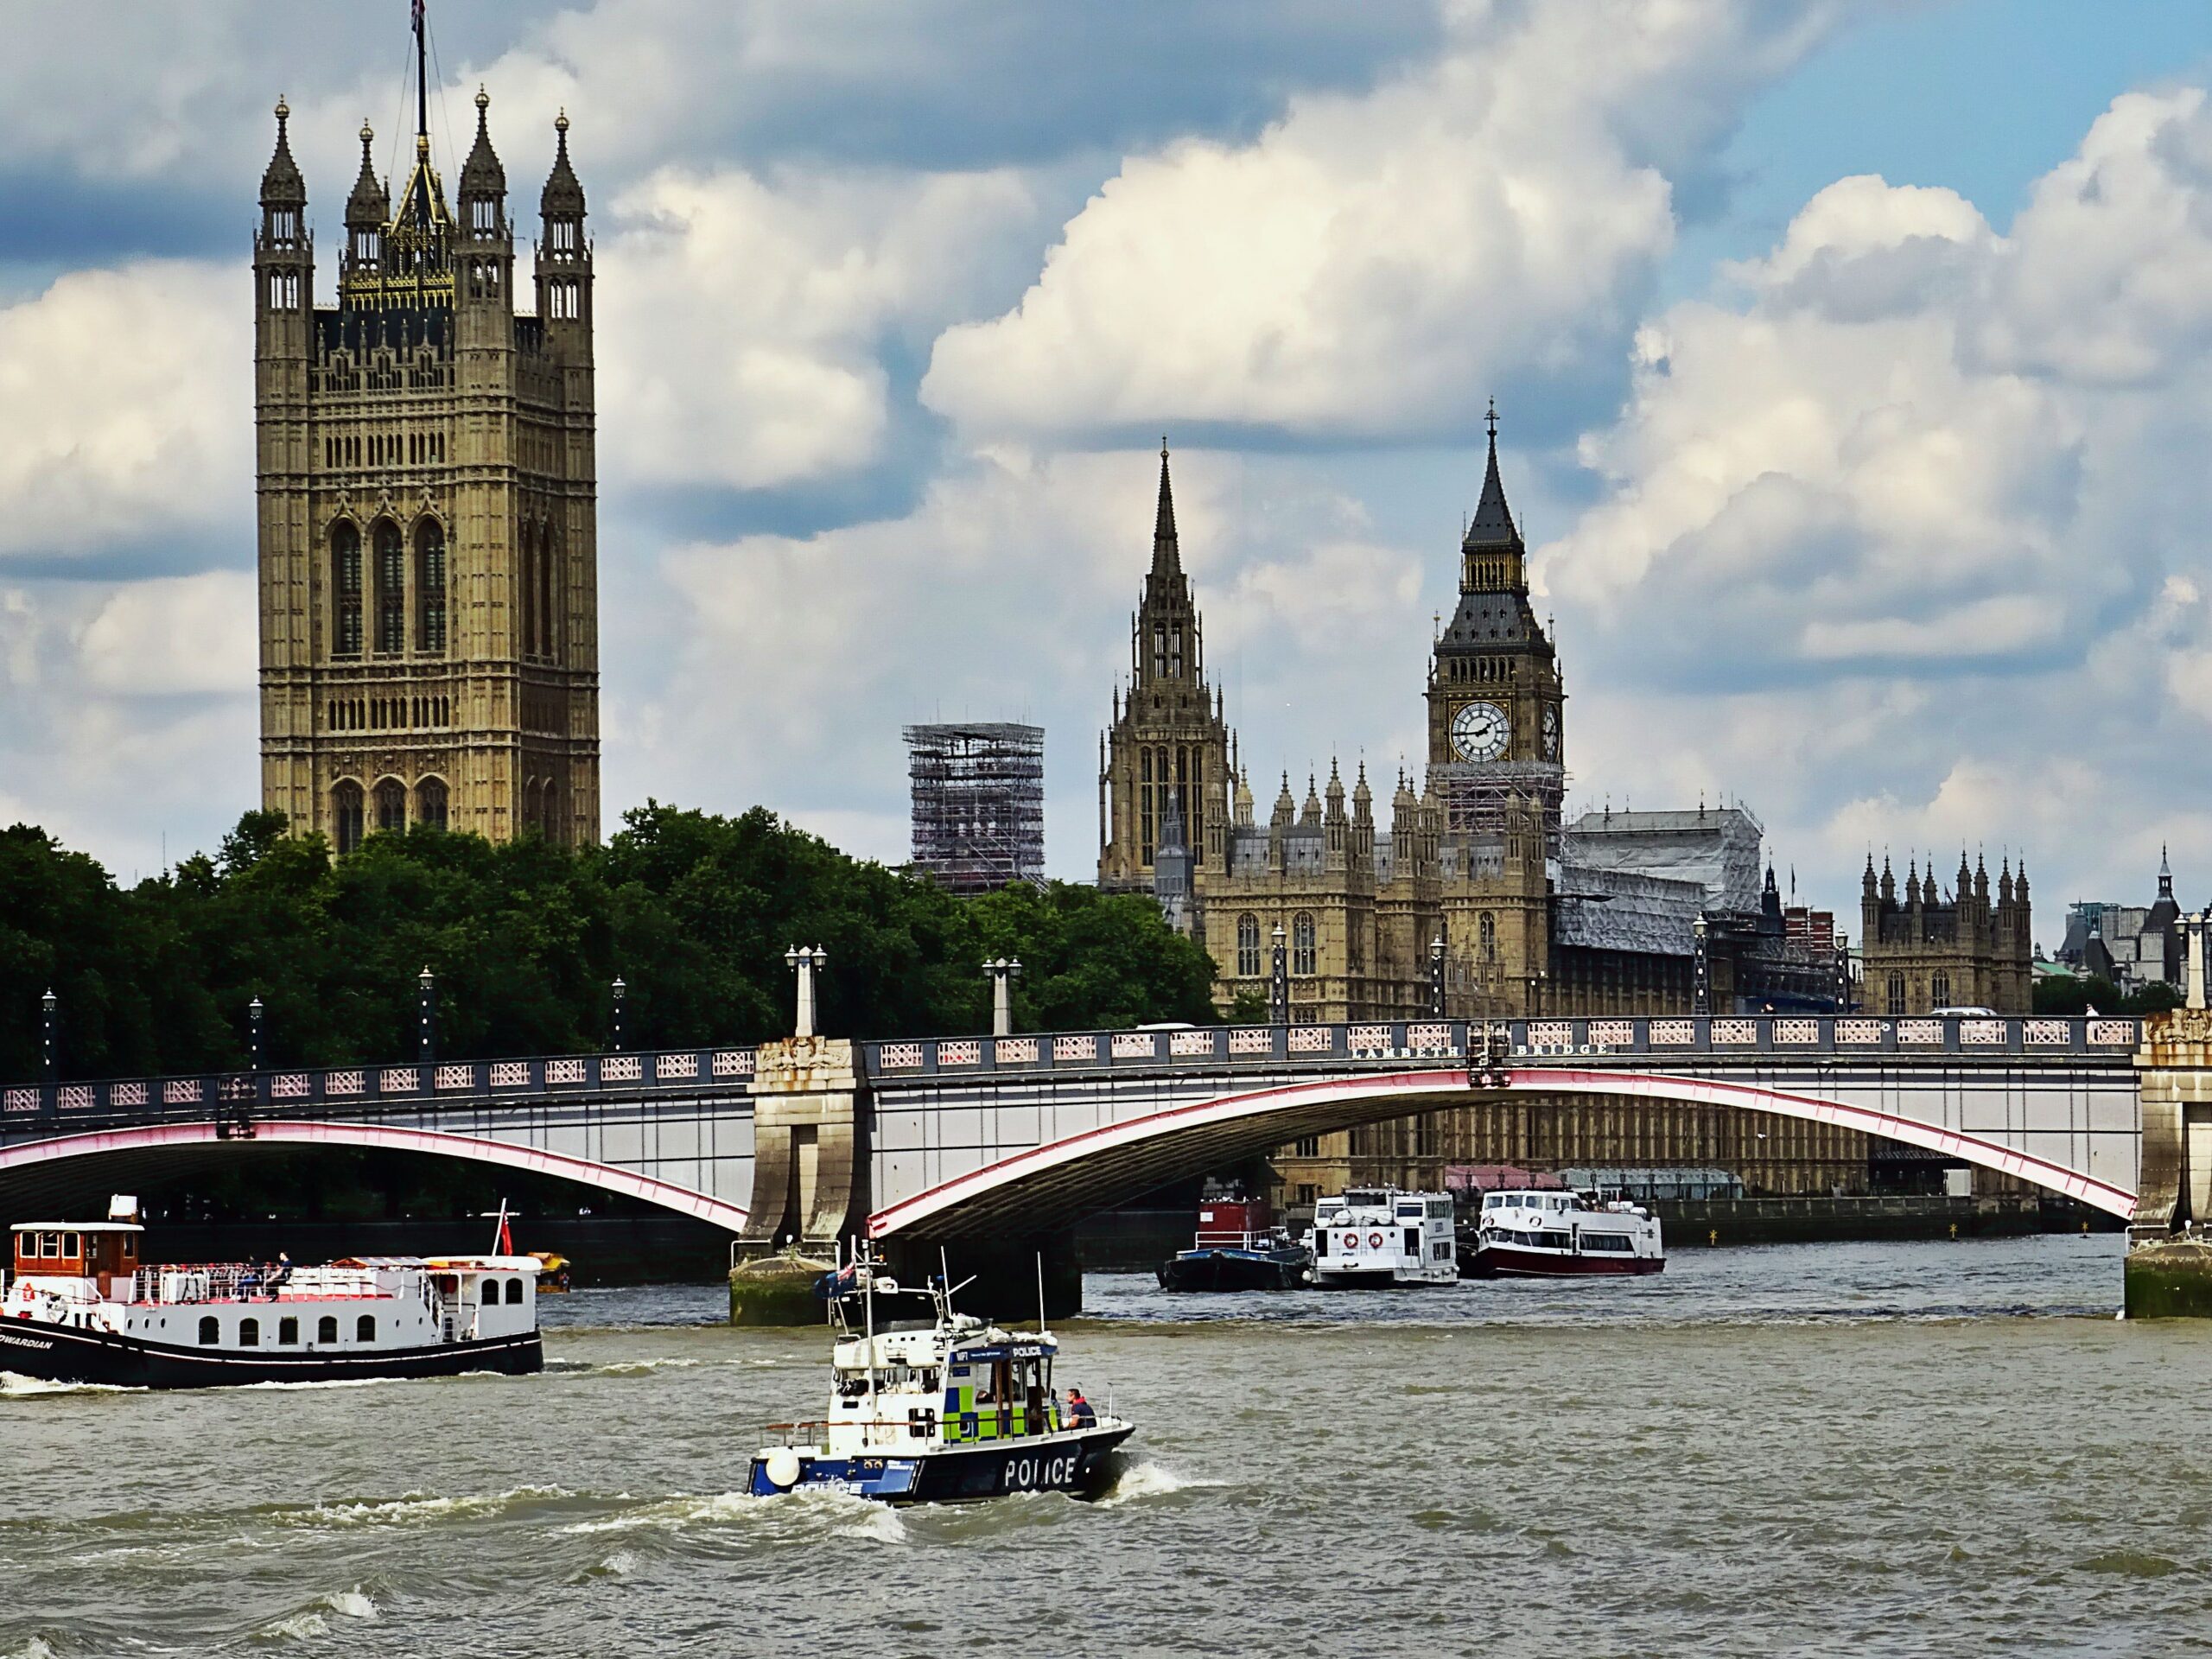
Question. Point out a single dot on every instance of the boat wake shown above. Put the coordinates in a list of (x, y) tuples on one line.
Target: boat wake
[(314, 1619), (1141, 1479), (669, 1514), (412, 1510), (13, 1384)]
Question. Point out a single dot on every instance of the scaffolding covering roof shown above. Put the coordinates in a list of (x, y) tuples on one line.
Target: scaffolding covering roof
[(1716, 847)]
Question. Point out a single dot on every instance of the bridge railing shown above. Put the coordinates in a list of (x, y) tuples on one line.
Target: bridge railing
[(203, 1095), (321, 1090), (1389, 1041)]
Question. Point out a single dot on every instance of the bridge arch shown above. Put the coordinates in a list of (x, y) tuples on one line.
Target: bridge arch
[(29, 1169), (1042, 1187)]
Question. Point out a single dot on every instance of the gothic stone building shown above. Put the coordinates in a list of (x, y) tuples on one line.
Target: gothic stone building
[(1475, 863), (1933, 951), (429, 587), (1168, 745)]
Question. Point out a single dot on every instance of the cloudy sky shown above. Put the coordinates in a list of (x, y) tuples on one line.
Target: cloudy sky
[(1853, 361)]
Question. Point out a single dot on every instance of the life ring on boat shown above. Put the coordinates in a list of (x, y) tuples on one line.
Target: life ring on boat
[(1375, 1241), (1352, 1240)]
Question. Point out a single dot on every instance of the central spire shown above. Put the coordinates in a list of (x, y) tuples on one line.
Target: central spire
[(1493, 525), (1167, 553)]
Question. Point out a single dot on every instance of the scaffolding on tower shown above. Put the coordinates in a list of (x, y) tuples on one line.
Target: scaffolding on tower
[(978, 804)]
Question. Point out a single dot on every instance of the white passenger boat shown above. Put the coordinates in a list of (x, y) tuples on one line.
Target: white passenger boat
[(1546, 1234), (1377, 1237), (945, 1410), (82, 1308)]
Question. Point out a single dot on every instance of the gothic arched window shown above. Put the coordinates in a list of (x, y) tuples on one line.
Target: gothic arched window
[(345, 591), (391, 588), (1939, 991), (392, 804), (431, 803), (1489, 936), (1248, 946), (1148, 819), (346, 816), (1897, 994), (1301, 943), (549, 596), (430, 586)]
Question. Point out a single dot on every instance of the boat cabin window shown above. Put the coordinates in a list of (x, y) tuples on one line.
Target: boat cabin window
[(208, 1331), (326, 1329), (248, 1333), (1413, 1211), (287, 1332), (364, 1328), (514, 1290)]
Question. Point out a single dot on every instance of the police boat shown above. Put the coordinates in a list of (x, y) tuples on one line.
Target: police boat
[(949, 1410)]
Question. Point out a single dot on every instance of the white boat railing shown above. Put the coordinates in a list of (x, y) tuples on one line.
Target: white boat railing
[(245, 1282)]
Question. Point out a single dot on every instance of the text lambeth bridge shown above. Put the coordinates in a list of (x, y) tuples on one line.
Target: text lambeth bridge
[(977, 1143)]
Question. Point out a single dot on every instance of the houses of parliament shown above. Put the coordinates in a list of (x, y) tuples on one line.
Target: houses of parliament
[(1470, 873), (427, 525)]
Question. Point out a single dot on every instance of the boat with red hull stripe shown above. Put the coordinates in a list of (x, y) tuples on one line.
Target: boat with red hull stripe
[(1539, 1234)]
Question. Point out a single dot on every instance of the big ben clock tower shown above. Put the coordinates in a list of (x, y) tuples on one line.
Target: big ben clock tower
[(1495, 708)]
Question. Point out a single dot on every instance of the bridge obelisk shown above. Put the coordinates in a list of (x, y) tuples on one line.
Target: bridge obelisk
[(810, 1164)]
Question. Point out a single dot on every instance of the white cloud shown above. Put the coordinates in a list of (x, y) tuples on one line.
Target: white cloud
[(180, 636), (1907, 532), (125, 408), (1378, 262), (741, 325)]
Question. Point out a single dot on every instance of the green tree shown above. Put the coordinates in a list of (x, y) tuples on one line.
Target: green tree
[(692, 910)]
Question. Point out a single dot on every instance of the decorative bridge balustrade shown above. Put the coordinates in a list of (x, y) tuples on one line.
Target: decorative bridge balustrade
[(728, 1071), (1652, 1037)]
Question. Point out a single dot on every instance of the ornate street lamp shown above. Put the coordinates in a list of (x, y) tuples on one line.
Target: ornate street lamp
[(806, 960), (1279, 982), (50, 1052), (428, 1035), (1436, 978), (619, 988), (253, 1012)]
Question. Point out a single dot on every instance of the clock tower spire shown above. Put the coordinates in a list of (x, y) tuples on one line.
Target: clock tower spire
[(1495, 706)]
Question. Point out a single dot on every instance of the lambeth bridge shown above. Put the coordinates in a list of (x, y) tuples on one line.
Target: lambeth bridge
[(977, 1144)]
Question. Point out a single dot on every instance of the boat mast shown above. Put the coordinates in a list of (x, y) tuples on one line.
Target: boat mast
[(867, 1302)]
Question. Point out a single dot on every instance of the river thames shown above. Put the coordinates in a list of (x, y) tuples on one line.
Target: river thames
[(1881, 1449)]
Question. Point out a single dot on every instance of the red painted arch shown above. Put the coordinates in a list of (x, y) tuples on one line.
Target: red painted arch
[(282, 1132), (1103, 1141)]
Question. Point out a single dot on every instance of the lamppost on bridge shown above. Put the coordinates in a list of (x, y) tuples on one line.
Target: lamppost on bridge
[(1436, 978), (1279, 984), (427, 1036), (253, 1012), (619, 988), (49, 1049), (1002, 971), (808, 960)]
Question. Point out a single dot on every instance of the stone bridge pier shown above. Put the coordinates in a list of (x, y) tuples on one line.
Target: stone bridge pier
[(810, 1148)]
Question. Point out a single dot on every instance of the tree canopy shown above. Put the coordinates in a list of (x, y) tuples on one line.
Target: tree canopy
[(693, 911)]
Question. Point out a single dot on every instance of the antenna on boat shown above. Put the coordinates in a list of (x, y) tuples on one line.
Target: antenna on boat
[(1040, 1294)]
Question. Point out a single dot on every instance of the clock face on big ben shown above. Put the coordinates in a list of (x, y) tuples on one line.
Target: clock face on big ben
[(1551, 733), (1480, 731)]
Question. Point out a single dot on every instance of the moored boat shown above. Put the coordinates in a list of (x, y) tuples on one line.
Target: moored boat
[(949, 1410), (1379, 1237), (83, 1307), (1238, 1246), (1544, 1234)]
